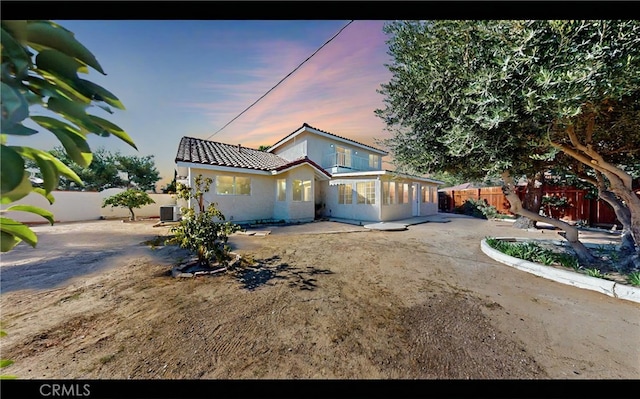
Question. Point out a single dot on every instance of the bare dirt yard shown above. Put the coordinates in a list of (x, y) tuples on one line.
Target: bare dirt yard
[(320, 300)]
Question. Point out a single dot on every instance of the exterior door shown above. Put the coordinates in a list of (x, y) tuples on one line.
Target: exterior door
[(415, 197)]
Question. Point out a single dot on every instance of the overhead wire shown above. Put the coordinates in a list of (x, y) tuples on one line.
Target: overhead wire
[(281, 80)]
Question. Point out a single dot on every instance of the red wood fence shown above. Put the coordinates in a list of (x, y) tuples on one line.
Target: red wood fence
[(596, 212)]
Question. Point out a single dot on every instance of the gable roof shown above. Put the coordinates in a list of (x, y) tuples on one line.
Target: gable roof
[(206, 152), (307, 128)]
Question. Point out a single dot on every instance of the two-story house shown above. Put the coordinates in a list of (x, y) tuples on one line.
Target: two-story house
[(308, 174)]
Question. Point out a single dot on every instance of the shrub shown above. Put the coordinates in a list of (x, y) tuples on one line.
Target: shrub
[(205, 232)]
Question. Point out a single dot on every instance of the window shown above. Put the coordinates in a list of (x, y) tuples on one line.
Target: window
[(433, 193), (405, 193), (243, 186), (366, 192), (402, 193), (343, 156), (373, 161), (302, 190), (281, 187), (424, 190), (388, 193), (233, 185), (345, 193)]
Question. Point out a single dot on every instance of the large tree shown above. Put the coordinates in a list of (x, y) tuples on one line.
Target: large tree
[(140, 172), (481, 97), (101, 174)]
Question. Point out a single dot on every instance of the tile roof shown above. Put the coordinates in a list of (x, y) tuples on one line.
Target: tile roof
[(301, 161), (325, 132), (214, 153)]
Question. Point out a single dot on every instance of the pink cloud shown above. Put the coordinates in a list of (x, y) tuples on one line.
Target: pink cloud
[(334, 91)]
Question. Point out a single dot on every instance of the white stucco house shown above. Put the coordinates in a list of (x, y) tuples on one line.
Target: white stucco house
[(308, 174)]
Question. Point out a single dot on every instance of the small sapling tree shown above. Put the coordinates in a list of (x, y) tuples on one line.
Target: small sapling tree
[(205, 232), (130, 199)]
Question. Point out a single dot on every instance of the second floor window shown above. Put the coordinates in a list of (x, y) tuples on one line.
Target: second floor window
[(343, 156), (374, 161)]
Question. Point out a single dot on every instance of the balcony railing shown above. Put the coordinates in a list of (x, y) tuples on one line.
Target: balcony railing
[(341, 162)]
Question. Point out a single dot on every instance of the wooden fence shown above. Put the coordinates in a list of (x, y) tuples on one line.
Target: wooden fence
[(596, 212)]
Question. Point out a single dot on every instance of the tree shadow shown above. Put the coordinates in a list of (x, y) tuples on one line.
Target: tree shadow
[(265, 271)]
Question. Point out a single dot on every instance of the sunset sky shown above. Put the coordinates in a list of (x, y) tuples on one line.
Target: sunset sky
[(190, 78)]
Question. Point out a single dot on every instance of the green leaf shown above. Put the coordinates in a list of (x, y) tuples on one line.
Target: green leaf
[(49, 172), (8, 241), (15, 53), (32, 209), (61, 168), (17, 129), (67, 108), (12, 166), (18, 230), (74, 142), (23, 189), (3, 334), (49, 34), (15, 108), (101, 94), (113, 129), (58, 64), (45, 194), (5, 362), (55, 87), (16, 28)]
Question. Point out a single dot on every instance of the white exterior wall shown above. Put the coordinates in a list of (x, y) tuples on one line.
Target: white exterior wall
[(241, 208), (364, 212), (75, 206), (300, 211), (296, 149), (317, 147)]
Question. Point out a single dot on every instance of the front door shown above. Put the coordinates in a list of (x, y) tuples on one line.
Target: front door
[(415, 197)]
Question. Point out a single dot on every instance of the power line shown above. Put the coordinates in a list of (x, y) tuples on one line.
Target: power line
[(281, 80)]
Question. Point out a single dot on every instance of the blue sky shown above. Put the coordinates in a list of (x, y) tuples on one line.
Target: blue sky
[(190, 78)]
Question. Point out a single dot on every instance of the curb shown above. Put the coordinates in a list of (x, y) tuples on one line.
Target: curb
[(578, 280)]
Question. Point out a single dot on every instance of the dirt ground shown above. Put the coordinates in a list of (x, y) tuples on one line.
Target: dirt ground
[(349, 303)]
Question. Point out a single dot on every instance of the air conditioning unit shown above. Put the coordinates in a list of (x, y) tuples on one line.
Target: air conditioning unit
[(169, 213)]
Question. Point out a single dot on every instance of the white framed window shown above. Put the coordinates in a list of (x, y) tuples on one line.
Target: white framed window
[(433, 194), (281, 187), (388, 193), (343, 156), (345, 194), (233, 185), (402, 193), (302, 190), (366, 192), (424, 194), (374, 161)]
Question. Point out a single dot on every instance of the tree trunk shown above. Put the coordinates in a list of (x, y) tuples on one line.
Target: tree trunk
[(632, 229), (132, 216), (532, 200), (570, 232)]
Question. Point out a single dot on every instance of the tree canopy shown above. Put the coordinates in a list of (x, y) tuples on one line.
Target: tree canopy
[(475, 98)]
